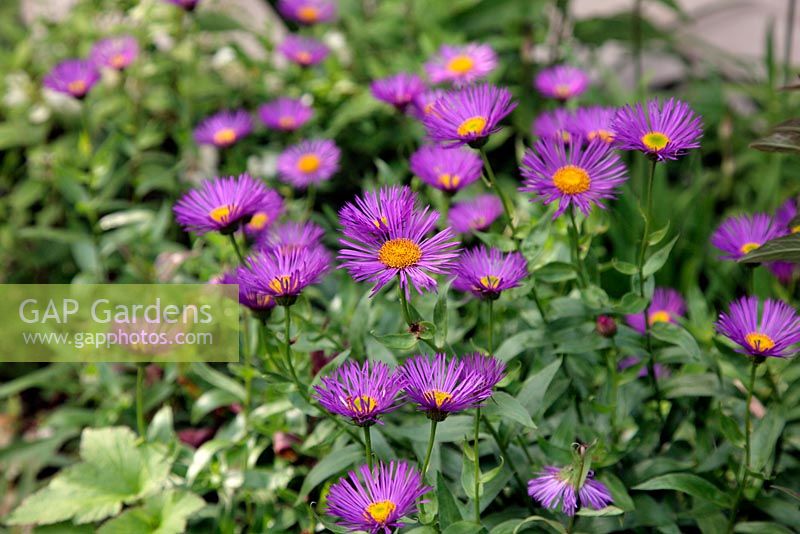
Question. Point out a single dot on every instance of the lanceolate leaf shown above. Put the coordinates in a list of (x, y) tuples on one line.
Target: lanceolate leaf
[(687, 483), (785, 137), (785, 248)]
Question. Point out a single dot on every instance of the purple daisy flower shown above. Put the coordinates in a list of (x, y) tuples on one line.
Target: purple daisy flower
[(362, 392), (220, 204), (488, 272), (661, 371), (667, 305), (572, 173), (557, 486), (448, 169), (476, 214), (488, 368), (378, 500), (285, 114), (785, 215), (773, 332), (309, 162), (260, 303), (188, 5), (561, 82), (440, 387), (461, 64), (661, 131), (268, 211), (784, 271), (740, 235), (398, 90), (593, 122), (557, 124), (422, 104), (74, 77), (304, 51), (393, 243), (308, 12), (469, 115), (115, 52), (285, 276), (290, 236), (368, 216), (224, 129)]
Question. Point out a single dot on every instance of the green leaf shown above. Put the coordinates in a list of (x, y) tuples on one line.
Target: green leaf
[(161, 426), (687, 483), (656, 237), (555, 525), (221, 381), (785, 137), (464, 527), (762, 527), (534, 388), (765, 435), (329, 466), (788, 491), (603, 512), (402, 342), (440, 316), (659, 258), (786, 248), (678, 336), (210, 401), (114, 471), (165, 513), (504, 405), (448, 508), (624, 267), (630, 303)]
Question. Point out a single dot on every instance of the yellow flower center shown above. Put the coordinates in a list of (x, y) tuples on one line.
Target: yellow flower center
[(380, 511), (571, 180), (258, 221), (362, 403), (795, 229), (308, 163), (655, 140), (449, 181), (283, 284), (260, 299), (490, 281), (308, 14), (478, 222), (118, 61), (605, 135), (473, 125), (303, 57), (287, 121), (460, 64), (221, 213), (438, 397), (562, 91), (399, 253), (77, 87), (660, 316), (225, 136), (749, 247), (759, 342)]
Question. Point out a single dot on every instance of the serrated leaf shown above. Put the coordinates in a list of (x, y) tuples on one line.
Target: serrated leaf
[(659, 258), (687, 483), (161, 514)]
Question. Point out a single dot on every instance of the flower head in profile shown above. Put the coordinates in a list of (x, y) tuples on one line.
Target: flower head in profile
[(662, 131), (738, 236), (260, 303), (556, 487), (268, 211), (667, 305), (378, 500), (399, 90), (362, 392), (488, 272), (573, 173), (308, 12), (285, 114), (304, 51), (558, 124), (461, 64), (115, 52), (448, 169), (785, 216), (469, 115), (490, 370), (74, 77), (285, 276), (309, 162), (561, 82), (221, 204), (661, 371), (770, 328), (290, 236), (188, 5), (224, 129), (440, 387), (475, 214), (422, 104), (382, 243), (593, 122)]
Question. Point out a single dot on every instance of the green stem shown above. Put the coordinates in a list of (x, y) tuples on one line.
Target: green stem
[(745, 471), (538, 302), (430, 448), (368, 446), (140, 426), (404, 303), (232, 237), (248, 370), (490, 303), (476, 454), (287, 343), (311, 195), (503, 198), (612, 373), (576, 250)]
